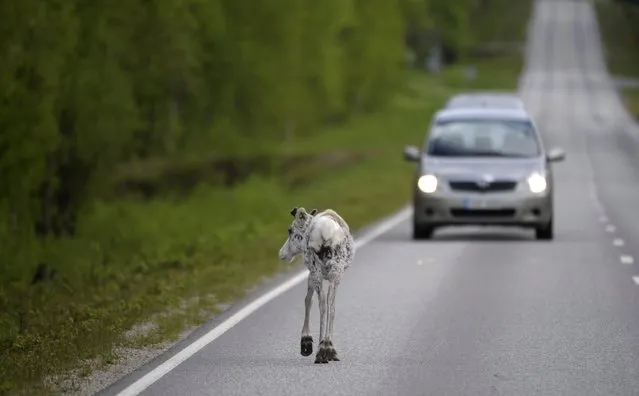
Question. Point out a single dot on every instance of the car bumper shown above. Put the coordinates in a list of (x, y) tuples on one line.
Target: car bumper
[(520, 209)]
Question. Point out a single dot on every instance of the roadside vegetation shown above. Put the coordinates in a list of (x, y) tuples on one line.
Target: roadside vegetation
[(150, 152), (620, 35)]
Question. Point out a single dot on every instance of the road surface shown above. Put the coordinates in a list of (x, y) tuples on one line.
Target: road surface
[(475, 312)]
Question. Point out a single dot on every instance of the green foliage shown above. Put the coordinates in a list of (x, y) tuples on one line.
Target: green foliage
[(620, 36), (89, 85)]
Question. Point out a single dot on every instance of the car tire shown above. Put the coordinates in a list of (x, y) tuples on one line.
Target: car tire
[(421, 231), (545, 232)]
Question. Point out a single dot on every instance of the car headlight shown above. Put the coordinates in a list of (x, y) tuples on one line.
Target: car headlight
[(427, 184), (537, 183)]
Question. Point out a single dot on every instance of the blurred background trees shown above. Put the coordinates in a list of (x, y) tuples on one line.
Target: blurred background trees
[(87, 85)]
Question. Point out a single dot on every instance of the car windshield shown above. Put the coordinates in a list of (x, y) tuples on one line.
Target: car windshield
[(472, 138)]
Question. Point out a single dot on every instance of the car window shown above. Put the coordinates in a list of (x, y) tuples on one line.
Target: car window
[(499, 138)]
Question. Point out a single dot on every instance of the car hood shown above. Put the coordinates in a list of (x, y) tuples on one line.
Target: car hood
[(471, 168)]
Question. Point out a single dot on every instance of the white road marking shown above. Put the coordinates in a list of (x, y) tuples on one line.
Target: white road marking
[(420, 262), (625, 259), (603, 219), (636, 279), (611, 228), (618, 242), (160, 371)]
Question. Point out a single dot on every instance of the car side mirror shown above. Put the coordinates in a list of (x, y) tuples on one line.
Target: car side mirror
[(411, 153), (555, 154)]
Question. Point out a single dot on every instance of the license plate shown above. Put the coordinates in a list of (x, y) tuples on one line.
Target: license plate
[(478, 203)]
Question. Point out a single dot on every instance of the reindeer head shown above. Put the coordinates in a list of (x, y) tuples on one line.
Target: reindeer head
[(293, 246)]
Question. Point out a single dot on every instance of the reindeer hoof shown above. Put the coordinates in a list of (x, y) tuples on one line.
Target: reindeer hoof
[(321, 358), (306, 345), (322, 355), (330, 352)]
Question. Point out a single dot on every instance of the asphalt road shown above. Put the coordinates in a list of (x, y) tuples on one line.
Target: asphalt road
[(477, 311)]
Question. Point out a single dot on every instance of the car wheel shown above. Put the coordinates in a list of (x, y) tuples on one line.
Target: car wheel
[(421, 231), (545, 232)]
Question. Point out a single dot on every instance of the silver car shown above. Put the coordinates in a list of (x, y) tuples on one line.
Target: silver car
[(483, 166), (485, 99)]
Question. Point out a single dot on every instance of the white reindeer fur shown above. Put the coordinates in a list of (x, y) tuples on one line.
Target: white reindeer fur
[(326, 243), (325, 230)]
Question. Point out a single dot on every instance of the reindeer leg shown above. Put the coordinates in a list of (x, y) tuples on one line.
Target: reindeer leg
[(331, 352), (307, 341), (321, 353)]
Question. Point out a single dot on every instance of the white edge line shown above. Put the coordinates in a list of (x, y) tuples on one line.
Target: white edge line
[(636, 279), (625, 259), (160, 371)]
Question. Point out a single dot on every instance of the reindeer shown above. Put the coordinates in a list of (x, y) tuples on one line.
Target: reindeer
[(325, 242)]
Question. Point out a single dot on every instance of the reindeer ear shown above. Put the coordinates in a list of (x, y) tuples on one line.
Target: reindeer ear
[(293, 212), (313, 212)]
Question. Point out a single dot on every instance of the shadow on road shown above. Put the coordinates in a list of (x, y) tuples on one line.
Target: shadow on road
[(462, 234), (482, 236)]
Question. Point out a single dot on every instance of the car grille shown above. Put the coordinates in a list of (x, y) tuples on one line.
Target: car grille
[(496, 186), (471, 213)]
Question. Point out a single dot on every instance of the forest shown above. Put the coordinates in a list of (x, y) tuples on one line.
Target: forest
[(89, 85), (149, 149)]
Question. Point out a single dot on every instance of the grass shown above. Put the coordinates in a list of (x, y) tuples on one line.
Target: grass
[(498, 72), (173, 261), (631, 100), (620, 36)]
